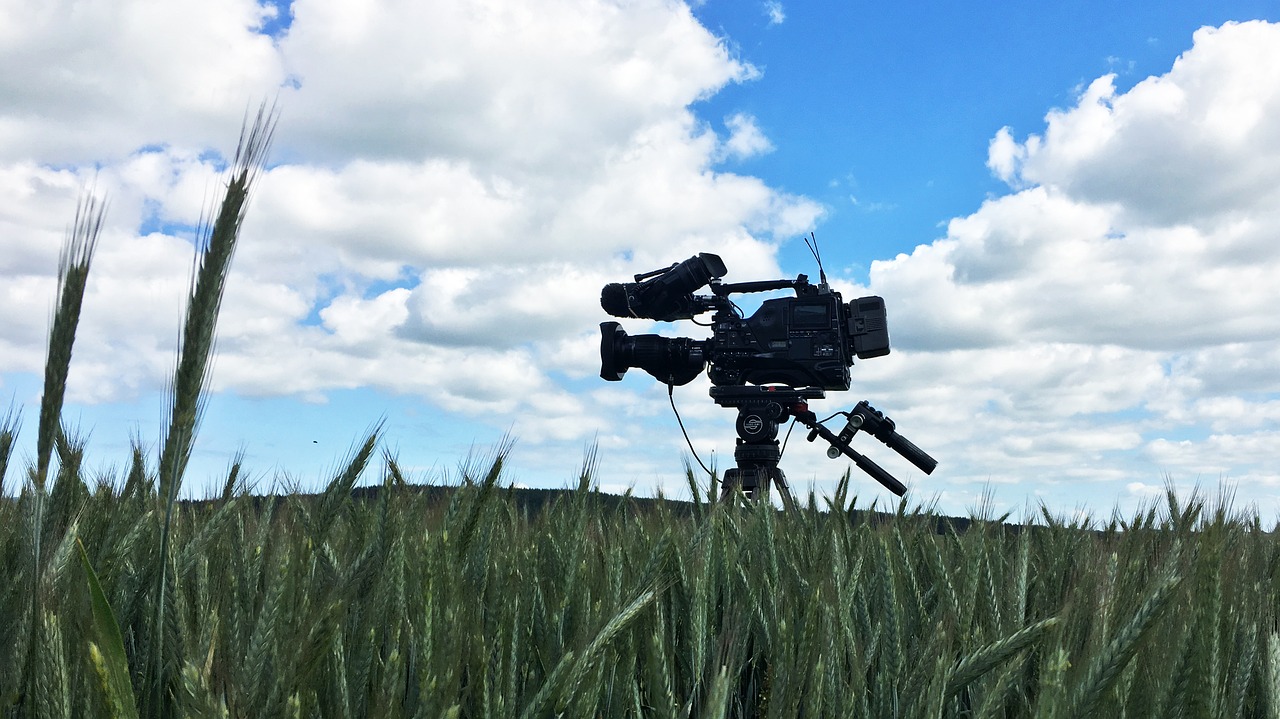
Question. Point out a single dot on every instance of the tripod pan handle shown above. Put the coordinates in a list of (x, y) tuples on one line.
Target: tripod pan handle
[(877, 473), (866, 465), (912, 453)]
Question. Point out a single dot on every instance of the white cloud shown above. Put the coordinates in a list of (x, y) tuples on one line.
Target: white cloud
[(1193, 146), (1004, 154), (773, 9), (454, 182), (745, 138), (1122, 297), (93, 81), (507, 86)]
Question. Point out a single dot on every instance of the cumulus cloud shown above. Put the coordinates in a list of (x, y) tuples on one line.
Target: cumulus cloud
[(1119, 297), (88, 82), (1195, 146), (510, 88), (745, 138), (452, 183)]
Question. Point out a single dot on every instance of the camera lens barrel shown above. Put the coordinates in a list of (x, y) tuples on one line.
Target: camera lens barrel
[(674, 361)]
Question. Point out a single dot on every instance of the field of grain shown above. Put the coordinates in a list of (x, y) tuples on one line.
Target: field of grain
[(466, 603)]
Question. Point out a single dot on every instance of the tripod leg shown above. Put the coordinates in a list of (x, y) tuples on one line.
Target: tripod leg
[(729, 484), (784, 491)]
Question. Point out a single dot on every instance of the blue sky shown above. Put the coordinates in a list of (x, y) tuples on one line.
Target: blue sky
[(902, 99), (1066, 209)]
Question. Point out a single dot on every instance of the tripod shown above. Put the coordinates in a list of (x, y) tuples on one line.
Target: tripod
[(760, 411)]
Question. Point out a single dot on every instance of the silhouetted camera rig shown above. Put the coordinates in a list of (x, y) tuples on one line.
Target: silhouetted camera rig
[(767, 366)]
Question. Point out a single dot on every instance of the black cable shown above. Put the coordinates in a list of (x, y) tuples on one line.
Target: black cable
[(784, 439), (793, 426), (672, 397)]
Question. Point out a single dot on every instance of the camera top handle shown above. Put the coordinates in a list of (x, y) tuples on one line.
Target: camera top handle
[(724, 290)]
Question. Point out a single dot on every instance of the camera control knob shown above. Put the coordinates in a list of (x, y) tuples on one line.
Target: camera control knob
[(833, 452)]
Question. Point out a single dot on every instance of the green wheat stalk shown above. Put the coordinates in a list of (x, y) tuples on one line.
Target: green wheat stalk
[(337, 494), (73, 277), (994, 654), (1107, 665), (191, 375), (1271, 675), (572, 669), (9, 426), (52, 695)]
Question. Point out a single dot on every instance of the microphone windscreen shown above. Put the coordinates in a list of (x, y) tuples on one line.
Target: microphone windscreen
[(613, 298)]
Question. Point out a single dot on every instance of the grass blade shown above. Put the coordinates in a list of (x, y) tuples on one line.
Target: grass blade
[(106, 649)]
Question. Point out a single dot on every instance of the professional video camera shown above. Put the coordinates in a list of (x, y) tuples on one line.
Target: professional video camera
[(791, 350)]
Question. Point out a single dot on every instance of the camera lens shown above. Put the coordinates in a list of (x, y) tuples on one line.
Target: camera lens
[(671, 361)]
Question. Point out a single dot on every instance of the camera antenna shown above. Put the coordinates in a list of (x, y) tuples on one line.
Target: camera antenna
[(813, 250)]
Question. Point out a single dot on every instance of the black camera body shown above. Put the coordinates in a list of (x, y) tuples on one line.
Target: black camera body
[(809, 340)]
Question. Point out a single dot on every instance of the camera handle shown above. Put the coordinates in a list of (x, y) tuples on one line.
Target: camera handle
[(839, 446), (872, 421)]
